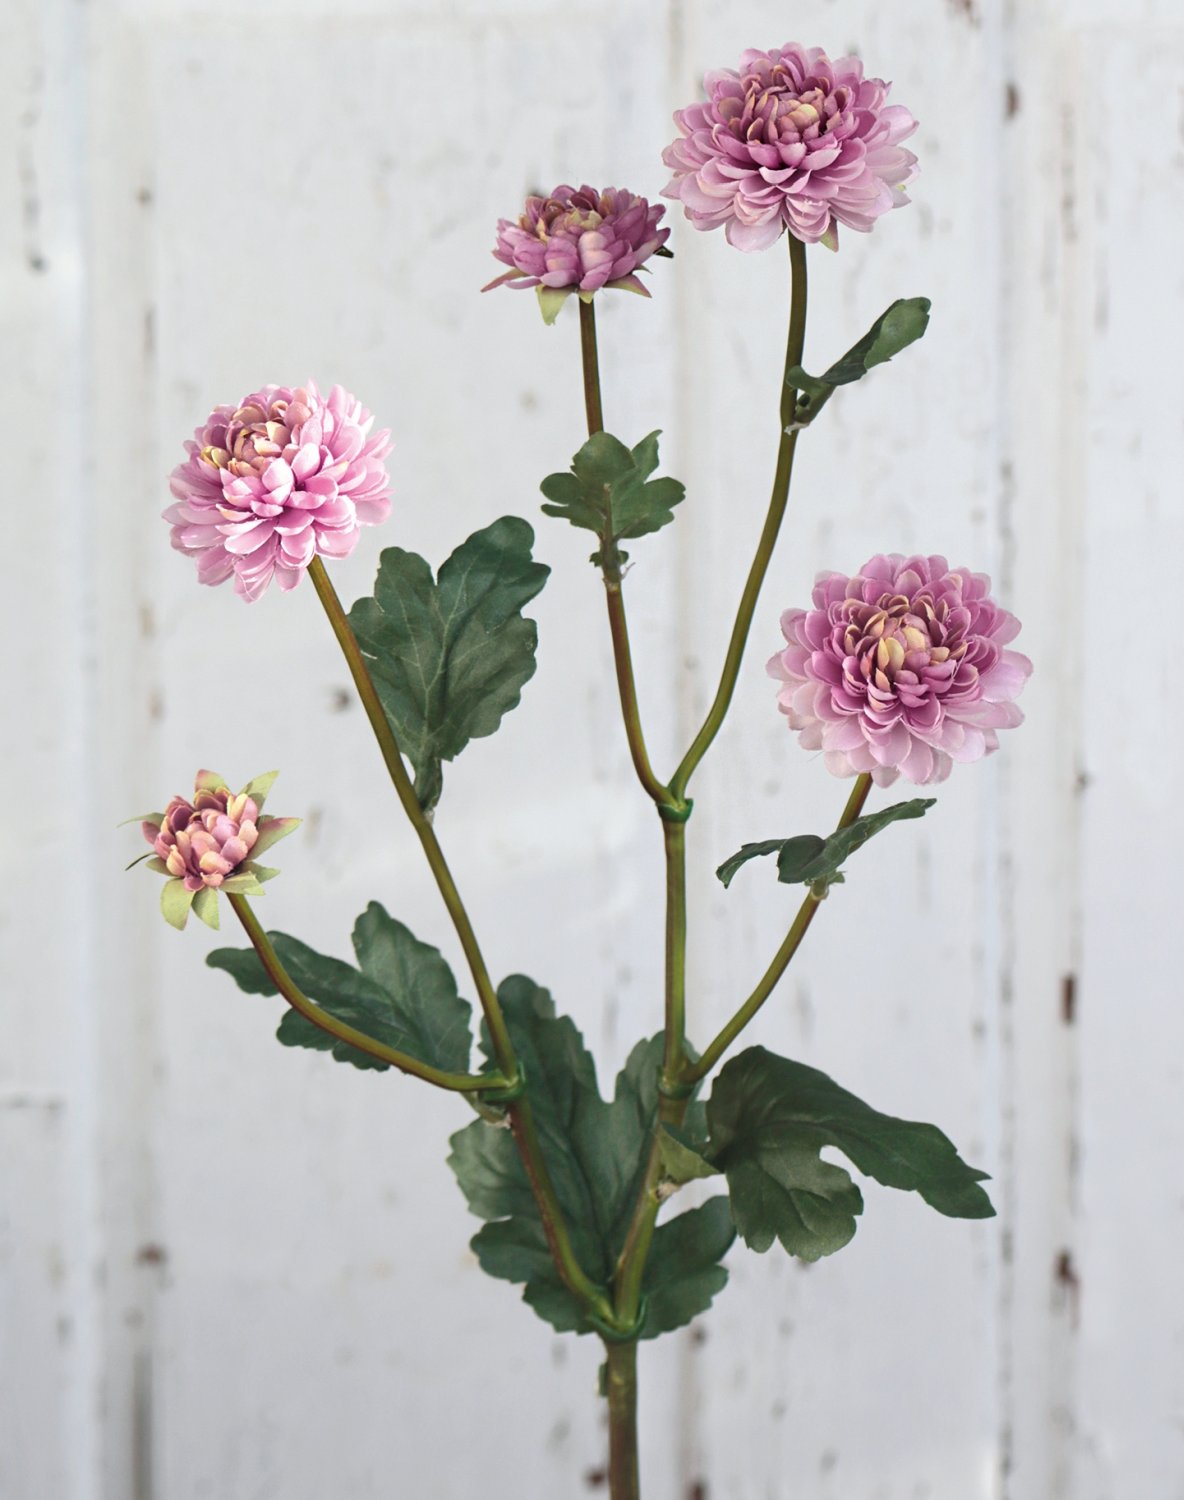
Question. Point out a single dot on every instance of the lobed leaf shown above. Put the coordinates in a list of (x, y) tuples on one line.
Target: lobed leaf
[(450, 655), (769, 1119), (402, 993), (595, 1152), (810, 860), (609, 491)]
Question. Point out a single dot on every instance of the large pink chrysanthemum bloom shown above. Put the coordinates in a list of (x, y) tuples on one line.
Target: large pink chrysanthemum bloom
[(790, 140), (900, 670), (269, 484), (211, 844), (579, 240)]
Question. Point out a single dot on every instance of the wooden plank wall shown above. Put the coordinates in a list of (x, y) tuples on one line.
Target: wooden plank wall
[(231, 1272)]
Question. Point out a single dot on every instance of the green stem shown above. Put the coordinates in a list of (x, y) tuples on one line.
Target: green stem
[(279, 976), (519, 1111), (781, 958), (384, 734), (674, 1046), (591, 361), (624, 1477), (617, 620), (764, 552)]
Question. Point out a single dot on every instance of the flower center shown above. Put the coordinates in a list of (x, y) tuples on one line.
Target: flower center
[(255, 436), (776, 109), (899, 637)]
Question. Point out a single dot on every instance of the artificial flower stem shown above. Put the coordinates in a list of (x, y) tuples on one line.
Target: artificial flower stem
[(781, 958), (795, 345), (519, 1111), (617, 619), (384, 734), (624, 1476), (591, 361), (674, 836), (279, 976)]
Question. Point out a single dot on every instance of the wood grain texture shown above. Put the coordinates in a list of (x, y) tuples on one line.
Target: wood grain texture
[(232, 1271)]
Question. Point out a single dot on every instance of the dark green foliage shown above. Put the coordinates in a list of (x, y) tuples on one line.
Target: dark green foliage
[(450, 655), (402, 993), (901, 325), (608, 490), (810, 860), (769, 1119), (596, 1154)]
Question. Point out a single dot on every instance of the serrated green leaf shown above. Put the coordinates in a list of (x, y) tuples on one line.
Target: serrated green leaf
[(595, 1153), (769, 1118), (402, 994), (450, 655), (609, 491), (809, 860), (683, 1273), (895, 329)]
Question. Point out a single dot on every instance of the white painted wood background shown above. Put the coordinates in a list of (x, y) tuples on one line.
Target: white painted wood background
[(231, 1272)]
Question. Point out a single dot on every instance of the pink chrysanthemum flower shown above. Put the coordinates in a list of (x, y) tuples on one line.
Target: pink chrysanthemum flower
[(579, 240), (900, 670), (210, 844), (268, 485), (792, 141)]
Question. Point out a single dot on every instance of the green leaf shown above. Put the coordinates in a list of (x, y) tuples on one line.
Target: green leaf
[(595, 1152), (402, 994), (816, 862), (608, 490), (450, 655), (901, 325), (681, 1160), (683, 1273), (769, 1119)]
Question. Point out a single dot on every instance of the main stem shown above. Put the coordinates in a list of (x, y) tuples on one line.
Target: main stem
[(624, 1479), (776, 512), (519, 1111)]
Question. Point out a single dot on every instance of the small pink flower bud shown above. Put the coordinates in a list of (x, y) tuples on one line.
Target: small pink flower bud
[(206, 845)]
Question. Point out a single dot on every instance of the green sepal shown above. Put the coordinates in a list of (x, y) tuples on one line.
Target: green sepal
[(208, 781), (156, 818), (244, 883), (450, 655), (260, 872), (271, 831), (175, 901), (156, 865), (259, 787), (769, 1119), (595, 1151), (810, 860), (402, 994), (895, 329), (608, 490), (205, 906), (551, 300)]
